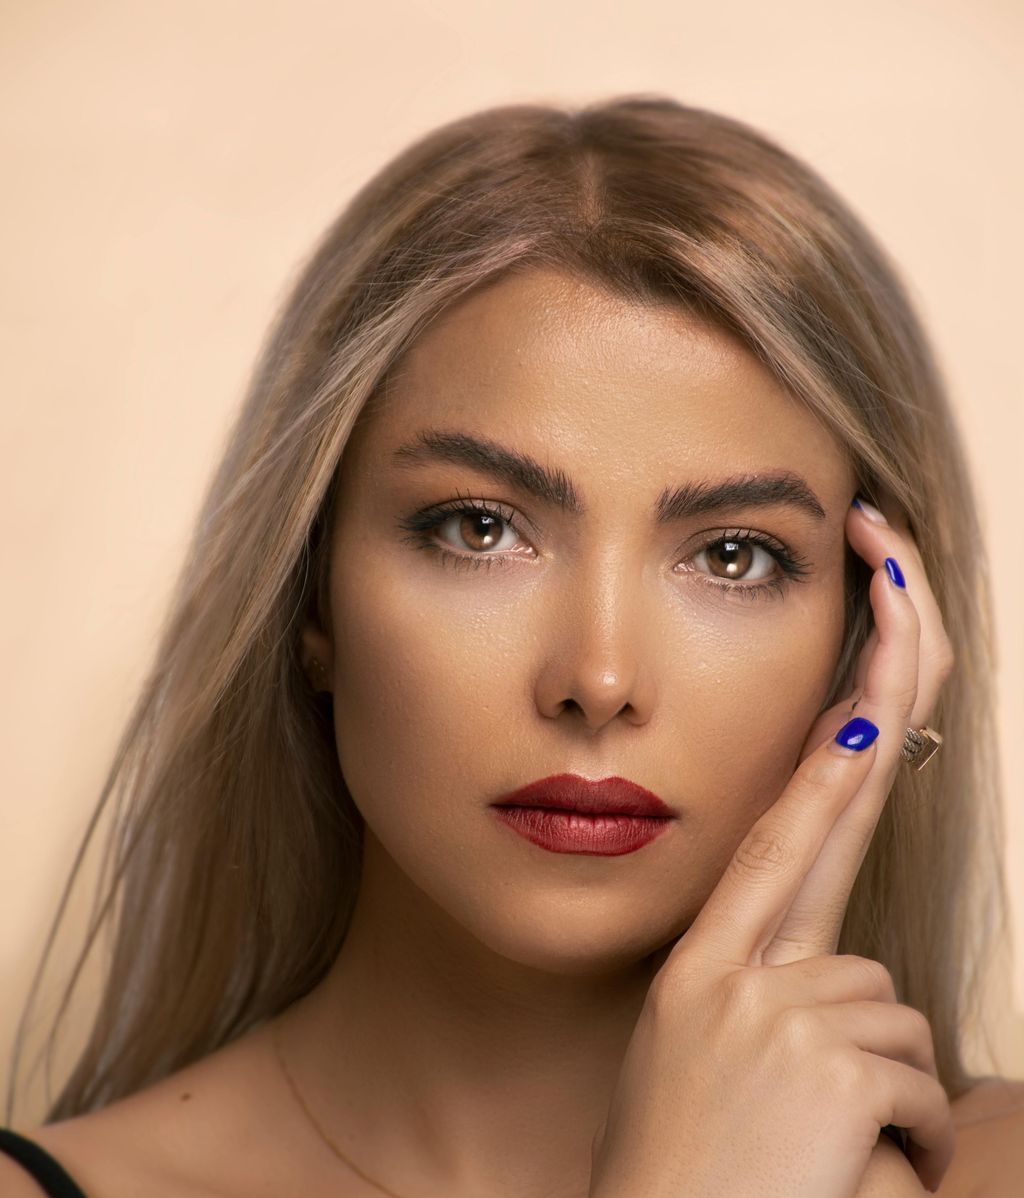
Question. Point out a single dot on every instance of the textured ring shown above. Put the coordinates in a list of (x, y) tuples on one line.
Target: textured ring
[(919, 746)]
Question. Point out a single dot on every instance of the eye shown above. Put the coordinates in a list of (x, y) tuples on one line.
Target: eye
[(478, 529), (464, 533), (467, 533), (746, 563), (738, 558)]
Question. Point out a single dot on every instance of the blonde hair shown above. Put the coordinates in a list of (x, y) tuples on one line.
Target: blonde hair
[(233, 856)]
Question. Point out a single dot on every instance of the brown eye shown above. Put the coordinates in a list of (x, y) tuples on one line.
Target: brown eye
[(736, 558), (482, 531), (464, 532), (476, 530)]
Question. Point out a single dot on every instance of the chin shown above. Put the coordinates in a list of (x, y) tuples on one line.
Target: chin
[(594, 942)]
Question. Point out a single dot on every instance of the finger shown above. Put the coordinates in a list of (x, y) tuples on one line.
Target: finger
[(874, 541), (891, 1030), (833, 718), (934, 651), (889, 689), (863, 659), (918, 1102), (771, 862), (833, 978), (814, 919)]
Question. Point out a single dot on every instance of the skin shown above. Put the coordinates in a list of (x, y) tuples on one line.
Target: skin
[(469, 1035), (475, 955)]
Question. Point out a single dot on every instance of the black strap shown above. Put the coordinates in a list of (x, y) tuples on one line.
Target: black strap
[(40, 1165)]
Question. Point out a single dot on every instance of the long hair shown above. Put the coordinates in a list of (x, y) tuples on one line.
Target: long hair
[(233, 853)]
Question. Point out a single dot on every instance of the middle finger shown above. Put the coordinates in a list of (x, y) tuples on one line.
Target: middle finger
[(875, 535), (890, 688)]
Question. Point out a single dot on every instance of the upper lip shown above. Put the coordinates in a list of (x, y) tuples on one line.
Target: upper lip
[(570, 792)]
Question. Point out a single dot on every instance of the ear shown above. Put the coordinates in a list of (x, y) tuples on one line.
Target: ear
[(317, 656)]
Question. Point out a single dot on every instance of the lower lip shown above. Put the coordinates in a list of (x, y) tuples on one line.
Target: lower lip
[(574, 832)]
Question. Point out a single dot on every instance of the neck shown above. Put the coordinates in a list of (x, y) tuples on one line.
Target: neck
[(441, 1066)]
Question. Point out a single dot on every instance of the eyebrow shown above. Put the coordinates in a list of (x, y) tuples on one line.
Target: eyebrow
[(554, 488)]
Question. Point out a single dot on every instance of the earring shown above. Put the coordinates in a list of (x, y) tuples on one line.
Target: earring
[(320, 672)]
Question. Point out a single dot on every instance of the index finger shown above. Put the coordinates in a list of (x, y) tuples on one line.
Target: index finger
[(814, 921), (739, 919)]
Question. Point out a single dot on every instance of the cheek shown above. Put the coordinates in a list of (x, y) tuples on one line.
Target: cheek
[(427, 679), (757, 681), (436, 677), (434, 716)]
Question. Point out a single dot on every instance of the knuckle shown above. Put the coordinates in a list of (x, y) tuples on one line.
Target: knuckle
[(903, 697), (799, 1030), (816, 780), (918, 1026), (844, 1072), (762, 851), (820, 966), (873, 974), (743, 989)]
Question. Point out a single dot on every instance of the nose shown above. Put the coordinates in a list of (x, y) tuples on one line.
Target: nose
[(598, 644)]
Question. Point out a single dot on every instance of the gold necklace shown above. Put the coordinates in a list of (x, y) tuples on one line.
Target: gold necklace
[(276, 1037)]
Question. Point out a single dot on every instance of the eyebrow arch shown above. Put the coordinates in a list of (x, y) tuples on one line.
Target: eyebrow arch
[(554, 488)]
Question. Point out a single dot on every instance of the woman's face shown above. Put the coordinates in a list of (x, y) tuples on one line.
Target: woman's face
[(574, 631)]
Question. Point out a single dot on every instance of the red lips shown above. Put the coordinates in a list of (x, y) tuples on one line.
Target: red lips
[(570, 792)]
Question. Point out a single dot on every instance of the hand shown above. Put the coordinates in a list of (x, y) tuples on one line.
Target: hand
[(761, 1063), (831, 877)]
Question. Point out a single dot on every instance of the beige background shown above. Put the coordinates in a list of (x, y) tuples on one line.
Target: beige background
[(166, 165)]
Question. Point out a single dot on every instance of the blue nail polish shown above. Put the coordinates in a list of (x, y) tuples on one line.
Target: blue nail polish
[(857, 733), (895, 573), (855, 502)]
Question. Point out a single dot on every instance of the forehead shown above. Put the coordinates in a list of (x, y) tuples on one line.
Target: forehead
[(556, 365)]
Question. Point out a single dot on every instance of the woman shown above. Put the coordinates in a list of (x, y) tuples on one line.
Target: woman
[(540, 502)]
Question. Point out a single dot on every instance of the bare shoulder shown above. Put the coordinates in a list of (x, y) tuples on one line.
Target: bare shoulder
[(189, 1135), (989, 1161)]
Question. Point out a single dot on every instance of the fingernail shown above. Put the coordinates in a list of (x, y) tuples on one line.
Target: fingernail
[(895, 573), (872, 513), (855, 735)]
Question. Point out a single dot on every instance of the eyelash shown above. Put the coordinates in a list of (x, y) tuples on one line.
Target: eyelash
[(420, 523)]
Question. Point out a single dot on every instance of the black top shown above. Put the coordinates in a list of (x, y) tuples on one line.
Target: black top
[(56, 1182), (40, 1165)]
